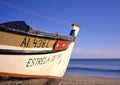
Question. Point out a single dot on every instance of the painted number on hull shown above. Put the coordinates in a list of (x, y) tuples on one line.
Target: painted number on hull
[(36, 43)]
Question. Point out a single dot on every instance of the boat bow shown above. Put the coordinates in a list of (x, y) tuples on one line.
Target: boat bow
[(35, 55)]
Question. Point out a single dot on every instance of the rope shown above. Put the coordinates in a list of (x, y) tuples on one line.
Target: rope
[(32, 13)]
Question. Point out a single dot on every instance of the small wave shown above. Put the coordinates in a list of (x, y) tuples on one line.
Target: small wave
[(94, 69)]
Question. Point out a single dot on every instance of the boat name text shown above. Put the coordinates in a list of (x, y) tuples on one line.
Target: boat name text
[(42, 60)]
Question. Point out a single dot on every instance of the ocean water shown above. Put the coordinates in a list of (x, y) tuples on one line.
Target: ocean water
[(95, 67)]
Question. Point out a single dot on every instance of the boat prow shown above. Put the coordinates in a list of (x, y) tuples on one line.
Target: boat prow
[(27, 53)]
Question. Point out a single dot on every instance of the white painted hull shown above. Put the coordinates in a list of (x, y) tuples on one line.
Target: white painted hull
[(30, 55), (51, 65)]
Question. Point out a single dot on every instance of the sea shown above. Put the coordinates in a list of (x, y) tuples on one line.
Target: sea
[(108, 68)]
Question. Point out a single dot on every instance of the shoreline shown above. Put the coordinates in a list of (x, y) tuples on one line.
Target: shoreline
[(76, 79)]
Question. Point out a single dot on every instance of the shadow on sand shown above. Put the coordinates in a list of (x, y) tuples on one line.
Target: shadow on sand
[(28, 81)]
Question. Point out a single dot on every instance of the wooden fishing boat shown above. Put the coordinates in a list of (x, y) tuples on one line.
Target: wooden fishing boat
[(29, 53)]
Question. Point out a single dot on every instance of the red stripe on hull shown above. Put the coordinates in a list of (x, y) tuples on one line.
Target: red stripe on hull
[(29, 76)]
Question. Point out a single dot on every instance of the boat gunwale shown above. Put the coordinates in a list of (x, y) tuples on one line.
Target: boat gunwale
[(43, 34)]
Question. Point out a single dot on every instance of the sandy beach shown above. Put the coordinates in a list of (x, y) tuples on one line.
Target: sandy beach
[(74, 79), (68, 79)]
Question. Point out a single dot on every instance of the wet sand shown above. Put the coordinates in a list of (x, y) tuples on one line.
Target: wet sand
[(68, 79)]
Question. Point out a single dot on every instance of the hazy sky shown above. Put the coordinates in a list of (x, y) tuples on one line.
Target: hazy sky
[(99, 36)]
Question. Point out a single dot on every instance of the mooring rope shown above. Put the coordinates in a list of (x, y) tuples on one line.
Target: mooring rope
[(32, 13)]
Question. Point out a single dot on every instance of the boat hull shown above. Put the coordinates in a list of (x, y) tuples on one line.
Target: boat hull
[(48, 65), (27, 54)]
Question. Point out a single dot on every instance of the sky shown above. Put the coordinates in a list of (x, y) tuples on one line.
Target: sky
[(99, 35)]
